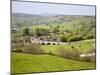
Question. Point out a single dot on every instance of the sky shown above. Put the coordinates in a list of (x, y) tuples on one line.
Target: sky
[(48, 8)]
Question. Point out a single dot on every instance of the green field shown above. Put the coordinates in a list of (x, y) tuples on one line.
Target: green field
[(62, 26), (30, 63), (86, 46)]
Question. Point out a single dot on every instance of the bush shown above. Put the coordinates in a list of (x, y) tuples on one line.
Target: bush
[(27, 48), (70, 53), (89, 36), (41, 32), (75, 38), (26, 31), (18, 47), (63, 38), (51, 53), (61, 51), (72, 46), (88, 59), (74, 53), (79, 45), (33, 48), (17, 50)]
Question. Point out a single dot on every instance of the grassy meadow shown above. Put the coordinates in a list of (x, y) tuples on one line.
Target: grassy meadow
[(31, 63), (84, 46)]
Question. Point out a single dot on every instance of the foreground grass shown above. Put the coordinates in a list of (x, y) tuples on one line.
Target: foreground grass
[(29, 63)]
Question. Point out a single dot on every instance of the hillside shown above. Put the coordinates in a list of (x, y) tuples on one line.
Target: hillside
[(21, 19)]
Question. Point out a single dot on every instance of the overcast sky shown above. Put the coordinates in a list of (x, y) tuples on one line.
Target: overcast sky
[(45, 8)]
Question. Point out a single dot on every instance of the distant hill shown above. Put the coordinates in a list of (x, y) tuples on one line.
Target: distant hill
[(21, 19), (25, 15)]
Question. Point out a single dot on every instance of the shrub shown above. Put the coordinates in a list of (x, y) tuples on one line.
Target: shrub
[(63, 38), (17, 50), (51, 53), (61, 51), (89, 36), (26, 31), (93, 59), (79, 45), (14, 40), (33, 48), (75, 38), (69, 35), (88, 59), (41, 31), (72, 46), (70, 53), (73, 53), (18, 47)]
